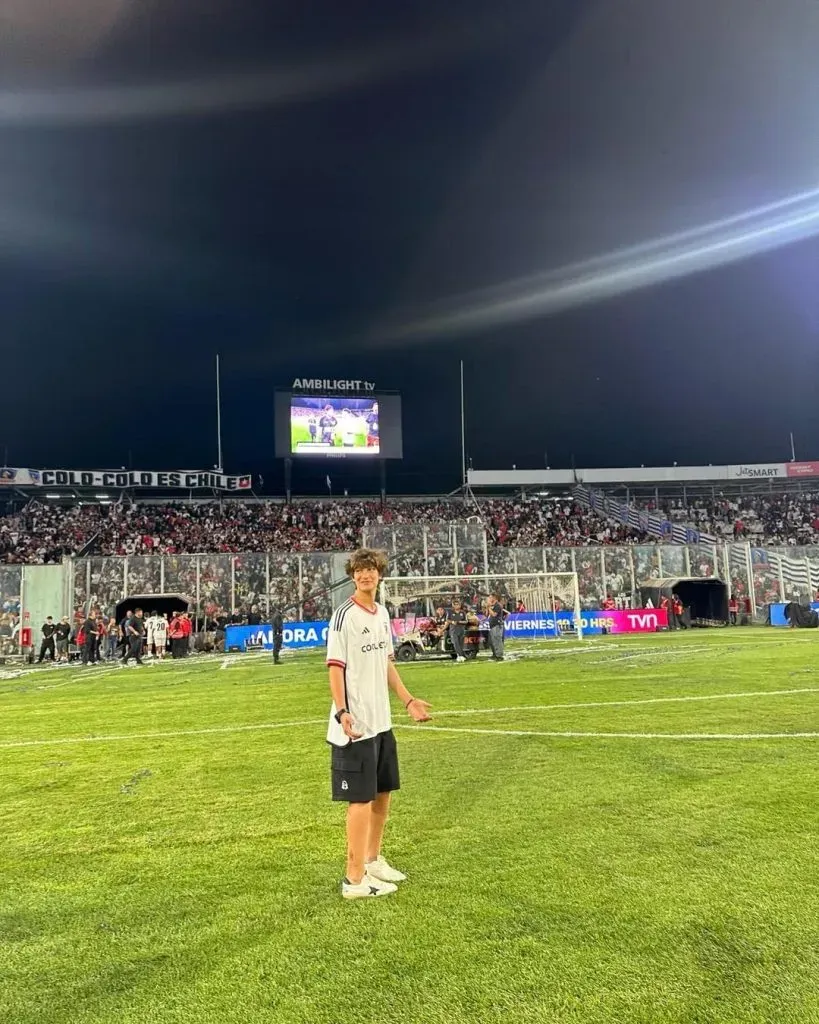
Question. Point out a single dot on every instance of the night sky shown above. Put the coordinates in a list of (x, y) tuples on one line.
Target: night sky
[(297, 191)]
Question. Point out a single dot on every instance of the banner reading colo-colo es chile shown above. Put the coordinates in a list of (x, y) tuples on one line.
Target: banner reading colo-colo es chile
[(184, 479)]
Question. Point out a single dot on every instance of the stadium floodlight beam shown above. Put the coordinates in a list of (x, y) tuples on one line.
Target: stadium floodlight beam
[(228, 91), (717, 243)]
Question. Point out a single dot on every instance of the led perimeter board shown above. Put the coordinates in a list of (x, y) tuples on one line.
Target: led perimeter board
[(353, 426)]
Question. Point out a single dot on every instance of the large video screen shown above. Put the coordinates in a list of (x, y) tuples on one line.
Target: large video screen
[(367, 426), (324, 424)]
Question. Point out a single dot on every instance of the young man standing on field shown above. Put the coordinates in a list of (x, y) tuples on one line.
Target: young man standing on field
[(364, 760)]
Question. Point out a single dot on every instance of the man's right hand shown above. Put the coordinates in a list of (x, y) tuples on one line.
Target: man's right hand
[(347, 722)]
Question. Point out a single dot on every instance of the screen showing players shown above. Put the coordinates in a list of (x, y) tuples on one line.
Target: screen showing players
[(348, 425)]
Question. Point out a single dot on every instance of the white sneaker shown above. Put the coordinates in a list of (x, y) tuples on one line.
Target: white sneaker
[(381, 870), (459, 660), (367, 887)]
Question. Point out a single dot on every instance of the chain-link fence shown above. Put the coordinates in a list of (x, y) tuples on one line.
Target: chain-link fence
[(11, 585), (301, 586), (765, 575), (309, 586)]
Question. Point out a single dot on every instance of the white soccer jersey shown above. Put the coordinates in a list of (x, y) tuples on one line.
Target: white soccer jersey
[(360, 642), (157, 630)]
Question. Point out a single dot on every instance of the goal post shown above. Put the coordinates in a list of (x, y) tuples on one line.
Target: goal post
[(549, 601)]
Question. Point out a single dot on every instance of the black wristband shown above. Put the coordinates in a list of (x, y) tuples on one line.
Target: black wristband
[(409, 702), (338, 714)]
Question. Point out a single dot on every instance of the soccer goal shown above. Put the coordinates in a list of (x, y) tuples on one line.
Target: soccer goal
[(546, 604)]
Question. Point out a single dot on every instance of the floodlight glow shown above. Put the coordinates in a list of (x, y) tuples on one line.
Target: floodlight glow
[(701, 248)]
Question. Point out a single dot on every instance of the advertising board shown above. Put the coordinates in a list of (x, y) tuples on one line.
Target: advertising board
[(295, 636)]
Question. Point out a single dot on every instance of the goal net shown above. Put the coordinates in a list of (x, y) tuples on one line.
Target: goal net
[(545, 605)]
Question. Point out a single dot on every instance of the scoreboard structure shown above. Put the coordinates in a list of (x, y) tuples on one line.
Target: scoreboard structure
[(338, 422)]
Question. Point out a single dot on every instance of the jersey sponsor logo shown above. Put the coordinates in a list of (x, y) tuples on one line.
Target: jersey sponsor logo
[(368, 648)]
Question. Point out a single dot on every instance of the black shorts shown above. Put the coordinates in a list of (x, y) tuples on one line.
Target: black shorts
[(364, 769)]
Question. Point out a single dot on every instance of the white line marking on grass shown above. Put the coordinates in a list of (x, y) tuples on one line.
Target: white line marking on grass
[(269, 726), (678, 652), (624, 703), (621, 735), (264, 726), (225, 663)]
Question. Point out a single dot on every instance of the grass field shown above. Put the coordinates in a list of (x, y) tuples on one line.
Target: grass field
[(299, 434), (579, 854)]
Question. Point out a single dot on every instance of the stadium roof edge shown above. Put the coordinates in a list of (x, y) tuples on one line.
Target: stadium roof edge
[(641, 474)]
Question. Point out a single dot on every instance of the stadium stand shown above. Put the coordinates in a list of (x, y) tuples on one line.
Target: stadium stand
[(787, 518), (231, 558), (43, 534)]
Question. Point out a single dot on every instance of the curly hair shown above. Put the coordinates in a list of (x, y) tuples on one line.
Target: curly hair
[(367, 558)]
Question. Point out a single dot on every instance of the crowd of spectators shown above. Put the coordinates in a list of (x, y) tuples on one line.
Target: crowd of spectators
[(44, 533), (241, 559), (789, 519)]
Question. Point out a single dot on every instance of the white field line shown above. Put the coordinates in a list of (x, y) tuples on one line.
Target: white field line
[(268, 726), (657, 649), (678, 652), (625, 703), (225, 663), (681, 652), (578, 647), (176, 734), (624, 735), (75, 677)]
